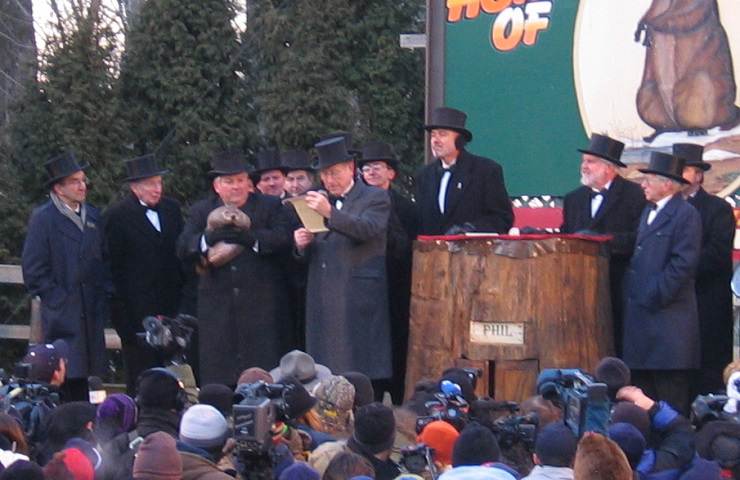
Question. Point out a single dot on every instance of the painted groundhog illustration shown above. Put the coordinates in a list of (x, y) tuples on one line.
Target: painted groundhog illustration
[(688, 82), (225, 217)]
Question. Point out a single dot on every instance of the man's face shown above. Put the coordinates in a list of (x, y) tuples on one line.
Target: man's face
[(378, 174), (60, 374), (443, 144), (233, 189), (595, 172), (298, 182), (72, 189), (693, 175), (338, 177), (148, 190), (272, 183), (656, 187)]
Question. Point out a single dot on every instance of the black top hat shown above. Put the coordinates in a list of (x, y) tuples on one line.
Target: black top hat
[(143, 167), (692, 153), (228, 162), (606, 148), (296, 160), (268, 159), (332, 151), (378, 152), (347, 140), (62, 166), (451, 119), (666, 165)]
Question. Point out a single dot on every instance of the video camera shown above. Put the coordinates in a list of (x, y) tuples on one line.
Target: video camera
[(170, 336), (417, 459), (585, 402), (448, 405), (510, 428), (707, 408), (26, 400)]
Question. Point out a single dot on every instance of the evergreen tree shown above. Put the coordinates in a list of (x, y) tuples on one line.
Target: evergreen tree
[(182, 87)]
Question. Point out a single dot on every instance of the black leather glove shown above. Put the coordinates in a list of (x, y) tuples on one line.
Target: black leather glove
[(238, 237), (215, 236), (532, 231), (466, 227)]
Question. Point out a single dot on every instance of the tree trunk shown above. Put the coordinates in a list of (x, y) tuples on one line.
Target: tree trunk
[(17, 51)]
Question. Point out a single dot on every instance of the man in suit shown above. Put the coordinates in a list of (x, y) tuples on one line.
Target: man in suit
[(243, 307), (714, 273), (63, 264), (141, 231), (606, 204), (299, 174), (269, 176), (379, 167), (661, 325), (459, 192), (347, 324)]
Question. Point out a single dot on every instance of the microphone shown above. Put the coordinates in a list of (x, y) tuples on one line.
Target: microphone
[(96, 393)]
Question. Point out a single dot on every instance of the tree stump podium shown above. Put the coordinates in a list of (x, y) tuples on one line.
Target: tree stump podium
[(510, 305)]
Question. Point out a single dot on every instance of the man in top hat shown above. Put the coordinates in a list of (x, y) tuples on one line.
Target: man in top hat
[(141, 231), (299, 174), (379, 165), (606, 204), (661, 327), (269, 176), (459, 192), (714, 273), (63, 264), (243, 308), (347, 325)]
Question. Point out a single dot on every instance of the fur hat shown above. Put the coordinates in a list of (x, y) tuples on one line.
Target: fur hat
[(556, 445), (614, 373), (158, 459), (599, 458), (630, 440), (375, 427), (630, 413), (203, 426), (476, 445), (441, 436)]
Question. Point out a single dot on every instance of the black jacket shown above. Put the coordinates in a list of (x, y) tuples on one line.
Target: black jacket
[(476, 194)]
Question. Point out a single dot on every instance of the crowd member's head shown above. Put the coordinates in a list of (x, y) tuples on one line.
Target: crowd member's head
[(555, 446), (333, 411), (158, 388), (464, 380), (476, 445), (69, 464), (116, 415), (614, 373), (599, 458), (67, 180), (158, 459), (441, 436), (231, 181), (364, 392), (628, 412), (448, 135), (378, 164), (218, 396), (301, 366), (48, 362), (695, 167), (269, 176), (202, 426), (720, 441), (600, 160), (663, 177), (22, 470), (630, 440), (375, 430), (336, 165), (10, 431), (68, 421), (299, 471), (346, 465), (299, 174), (144, 177), (255, 374), (730, 369)]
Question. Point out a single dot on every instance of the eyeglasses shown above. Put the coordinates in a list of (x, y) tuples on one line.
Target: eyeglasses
[(379, 167)]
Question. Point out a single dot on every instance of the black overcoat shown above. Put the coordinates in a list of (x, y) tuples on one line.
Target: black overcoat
[(713, 277), (347, 318), (476, 194), (243, 311), (65, 267), (661, 326)]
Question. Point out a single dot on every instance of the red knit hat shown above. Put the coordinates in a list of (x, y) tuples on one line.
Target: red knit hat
[(78, 464), (440, 436)]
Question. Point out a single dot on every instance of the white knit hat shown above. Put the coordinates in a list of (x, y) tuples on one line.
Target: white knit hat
[(203, 426)]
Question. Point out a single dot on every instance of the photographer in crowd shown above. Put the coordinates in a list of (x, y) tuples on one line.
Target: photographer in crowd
[(203, 434), (554, 453), (375, 432)]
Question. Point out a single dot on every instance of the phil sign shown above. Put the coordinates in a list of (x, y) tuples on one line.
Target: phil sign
[(537, 77)]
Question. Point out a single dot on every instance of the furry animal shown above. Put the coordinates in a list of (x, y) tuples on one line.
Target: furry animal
[(227, 216), (688, 83), (599, 458)]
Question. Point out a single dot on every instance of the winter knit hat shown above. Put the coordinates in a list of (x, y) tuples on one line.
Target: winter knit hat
[(599, 458), (476, 445), (628, 412), (630, 440), (556, 445), (203, 426), (158, 459), (219, 396), (119, 412), (364, 392), (78, 464), (158, 388), (441, 436), (299, 471), (375, 427)]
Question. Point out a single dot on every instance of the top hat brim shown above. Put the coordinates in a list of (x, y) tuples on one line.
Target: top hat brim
[(677, 178), (702, 165), (260, 171), (390, 161), (146, 175), (221, 173), (307, 168), (464, 131), (615, 161), (51, 181)]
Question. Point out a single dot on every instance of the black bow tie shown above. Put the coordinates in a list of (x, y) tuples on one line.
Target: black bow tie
[(333, 199), (155, 208), (653, 206), (441, 170), (593, 194)]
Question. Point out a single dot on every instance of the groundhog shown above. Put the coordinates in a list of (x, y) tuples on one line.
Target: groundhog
[(225, 217), (688, 83)]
